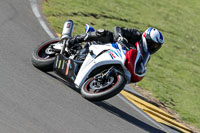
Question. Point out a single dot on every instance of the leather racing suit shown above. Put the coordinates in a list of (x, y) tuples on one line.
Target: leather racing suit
[(105, 36), (137, 54)]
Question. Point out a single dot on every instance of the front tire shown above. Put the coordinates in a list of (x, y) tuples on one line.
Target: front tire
[(102, 94), (41, 59)]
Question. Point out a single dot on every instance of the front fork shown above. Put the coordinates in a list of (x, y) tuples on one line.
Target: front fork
[(65, 41), (104, 76)]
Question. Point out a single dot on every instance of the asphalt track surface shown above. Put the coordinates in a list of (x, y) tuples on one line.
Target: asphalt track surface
[(32, 101)]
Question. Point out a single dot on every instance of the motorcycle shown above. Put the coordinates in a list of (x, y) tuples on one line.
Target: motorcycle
[(100, 76)]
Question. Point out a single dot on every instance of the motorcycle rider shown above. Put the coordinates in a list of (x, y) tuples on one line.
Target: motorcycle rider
[(131, 40)]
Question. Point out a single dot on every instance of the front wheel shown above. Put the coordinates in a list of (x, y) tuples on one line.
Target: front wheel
[(43, 56), (93, 90)]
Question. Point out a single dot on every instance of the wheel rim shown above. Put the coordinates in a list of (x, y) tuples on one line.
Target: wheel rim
[(94, 87), (97, 85), (45, 51)]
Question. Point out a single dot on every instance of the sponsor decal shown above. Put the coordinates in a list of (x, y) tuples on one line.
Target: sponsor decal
[(67, 68), (63, 64), (57, 61), (112, 55), (68, 25), (59, 64), (115, 45)]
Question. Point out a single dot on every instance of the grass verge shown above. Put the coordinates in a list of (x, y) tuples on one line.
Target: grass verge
[(173, 74)]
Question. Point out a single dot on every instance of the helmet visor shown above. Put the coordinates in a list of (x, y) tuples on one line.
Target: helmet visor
[(153, 46)]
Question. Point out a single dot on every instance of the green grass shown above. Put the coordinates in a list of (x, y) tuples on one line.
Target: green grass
[(174, 72)]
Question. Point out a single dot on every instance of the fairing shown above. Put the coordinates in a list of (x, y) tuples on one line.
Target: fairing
[(101, 55)]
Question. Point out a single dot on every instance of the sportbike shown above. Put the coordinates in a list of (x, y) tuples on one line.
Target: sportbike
[(101, 75)]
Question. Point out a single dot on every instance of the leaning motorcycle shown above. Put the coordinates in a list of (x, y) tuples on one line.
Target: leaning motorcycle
[(101, 75)]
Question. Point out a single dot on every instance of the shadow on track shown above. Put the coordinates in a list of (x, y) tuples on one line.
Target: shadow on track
[(71, 85), (125, 116), (114, 110)]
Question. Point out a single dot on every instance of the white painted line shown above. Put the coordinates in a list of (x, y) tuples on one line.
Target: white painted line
[(34, 6)]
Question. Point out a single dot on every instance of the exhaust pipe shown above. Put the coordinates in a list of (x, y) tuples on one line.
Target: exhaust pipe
[(68, 29), (66, 33)]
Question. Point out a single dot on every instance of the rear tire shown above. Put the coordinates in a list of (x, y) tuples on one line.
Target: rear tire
[(112, 90), (40, 59)]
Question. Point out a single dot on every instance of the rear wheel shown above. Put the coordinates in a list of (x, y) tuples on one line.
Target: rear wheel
[(43, 56), (95, 90)]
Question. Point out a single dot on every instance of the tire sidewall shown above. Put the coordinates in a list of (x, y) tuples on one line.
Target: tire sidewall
[(106, 94), (43, 64)]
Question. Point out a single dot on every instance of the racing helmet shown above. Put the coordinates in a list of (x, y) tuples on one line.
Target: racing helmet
[(154, 39)]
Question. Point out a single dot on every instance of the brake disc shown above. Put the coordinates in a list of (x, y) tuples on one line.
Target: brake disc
[(95, 85)]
